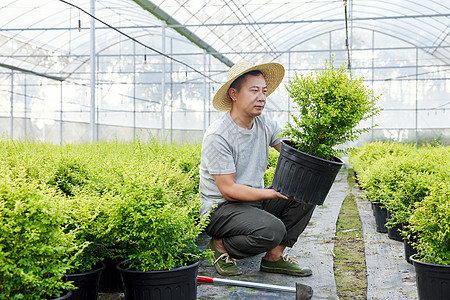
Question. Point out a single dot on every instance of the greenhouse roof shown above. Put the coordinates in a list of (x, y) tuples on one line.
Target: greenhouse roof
[(36, 35)]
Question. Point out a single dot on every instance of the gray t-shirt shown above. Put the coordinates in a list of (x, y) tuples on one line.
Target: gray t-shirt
[(228, 148)]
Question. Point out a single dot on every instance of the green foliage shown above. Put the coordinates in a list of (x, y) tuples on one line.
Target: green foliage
[(363, 157), (431, 223), (87, 216), (398, 180), (70, 176), (155, 216), (273, 158), (330, 106), (34, 249), (136, 200), (414, 186), (271, 166)]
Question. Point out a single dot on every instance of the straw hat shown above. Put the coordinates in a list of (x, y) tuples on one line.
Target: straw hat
[(273, 74)]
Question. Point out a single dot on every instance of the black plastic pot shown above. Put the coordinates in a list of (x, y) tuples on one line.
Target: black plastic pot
[(174, 284), (110, 281), (433, 281), (304, 177), (355, 175), (380, 213), (409, 249), (87, 283), (394, 233)]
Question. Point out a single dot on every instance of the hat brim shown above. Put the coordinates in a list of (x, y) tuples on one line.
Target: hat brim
[(273, 74)]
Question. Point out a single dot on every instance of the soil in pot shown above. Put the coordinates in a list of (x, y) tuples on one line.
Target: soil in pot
[(380, 213), (87, 283), (433, 281), (175, 284)]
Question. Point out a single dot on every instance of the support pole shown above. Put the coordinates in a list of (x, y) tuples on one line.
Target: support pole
[(134, 92), (205, 87), (11, 132), (25, 105), (171, 91), (92, 66), (163, 83), (417, 95), (289, 96), (61, 113), (373, 74)]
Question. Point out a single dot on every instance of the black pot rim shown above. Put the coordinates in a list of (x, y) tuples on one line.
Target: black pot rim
[(122, 269), (415, 260), (103, 266), (336, 160)]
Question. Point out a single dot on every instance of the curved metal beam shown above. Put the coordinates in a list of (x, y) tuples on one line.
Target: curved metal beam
[(181, 29)]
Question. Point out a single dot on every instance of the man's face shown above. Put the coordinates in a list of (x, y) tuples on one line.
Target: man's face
[(251, 98)]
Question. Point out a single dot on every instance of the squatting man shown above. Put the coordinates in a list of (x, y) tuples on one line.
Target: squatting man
[(247, 219)]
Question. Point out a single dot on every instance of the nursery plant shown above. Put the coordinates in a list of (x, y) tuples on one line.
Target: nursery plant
[(364, 157), (271, 166), (398, 180), (430, 222), (115, 200), (329, 105), (328, 108), (35, 251), (155, 219)]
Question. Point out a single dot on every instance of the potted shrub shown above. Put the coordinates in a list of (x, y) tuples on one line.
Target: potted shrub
[(397, 181), (34, 249), (430, 221), (155, 222), (329, 107), (84, 216), (87, 218)]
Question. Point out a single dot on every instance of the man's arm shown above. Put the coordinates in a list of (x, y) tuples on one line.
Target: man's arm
[(233, 191)]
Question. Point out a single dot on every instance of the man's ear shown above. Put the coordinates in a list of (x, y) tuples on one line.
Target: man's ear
[(233, 93)]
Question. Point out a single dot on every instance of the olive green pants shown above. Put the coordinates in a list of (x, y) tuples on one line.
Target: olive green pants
[(251, 228)]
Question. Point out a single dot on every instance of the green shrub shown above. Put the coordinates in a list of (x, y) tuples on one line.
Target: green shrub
[(69, 177), (363, 157), (271, 166), (398, 181), (155, 224), (87, 215), (116, 199), (330, 105), (430, 221), (35, 252)]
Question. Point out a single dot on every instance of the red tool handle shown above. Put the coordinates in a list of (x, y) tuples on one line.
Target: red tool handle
[(205, 279)]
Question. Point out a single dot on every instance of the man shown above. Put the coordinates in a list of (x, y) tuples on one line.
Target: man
[(246, 219)]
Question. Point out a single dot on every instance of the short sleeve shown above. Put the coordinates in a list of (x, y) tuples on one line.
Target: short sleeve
[(217, 155)]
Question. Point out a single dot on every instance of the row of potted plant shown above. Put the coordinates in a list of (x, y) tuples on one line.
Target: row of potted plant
[(413, 186), (65, 209)]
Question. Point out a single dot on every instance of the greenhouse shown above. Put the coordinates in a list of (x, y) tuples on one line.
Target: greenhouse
[(224, 149), (77, 71)]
